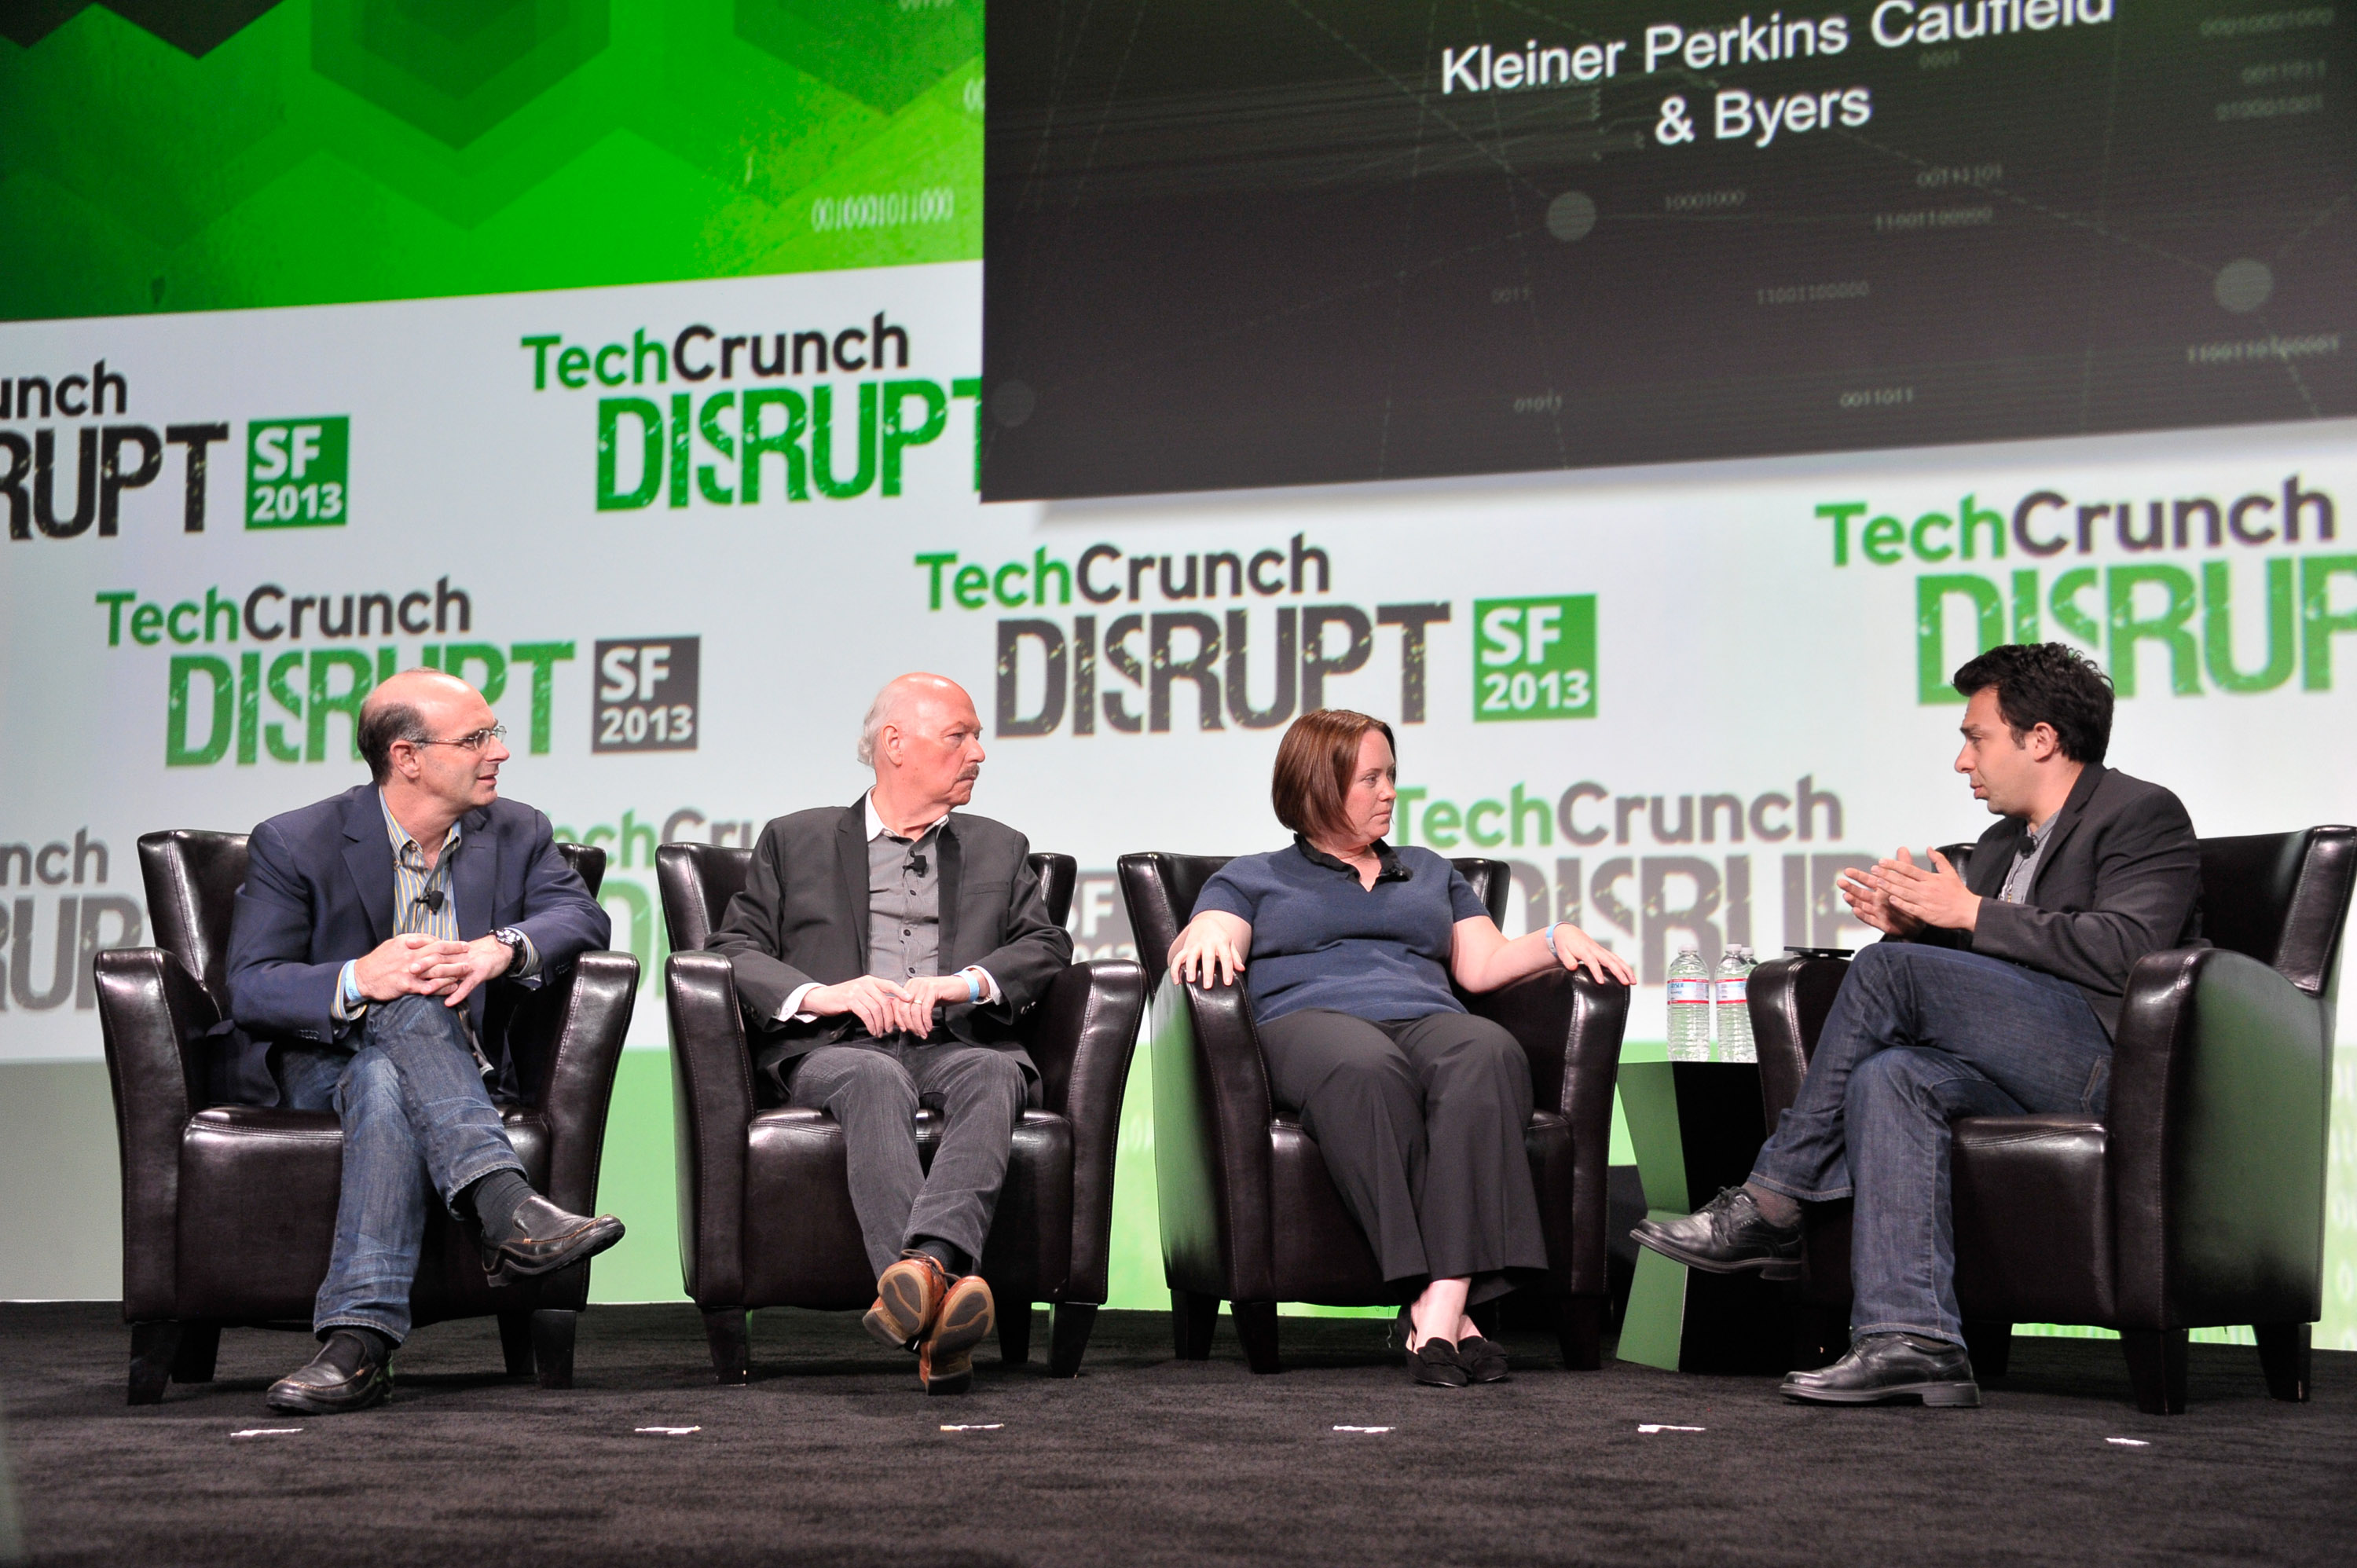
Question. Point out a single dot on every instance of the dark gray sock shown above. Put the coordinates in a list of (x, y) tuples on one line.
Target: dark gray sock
[(952, 1258), (494, 1200), (347, 1347)]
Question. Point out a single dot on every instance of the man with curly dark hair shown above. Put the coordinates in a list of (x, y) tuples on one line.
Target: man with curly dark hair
[(1995, 994)]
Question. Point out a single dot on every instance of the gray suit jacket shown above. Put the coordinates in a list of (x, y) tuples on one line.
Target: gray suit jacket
[(2120, 877), (802, 917)]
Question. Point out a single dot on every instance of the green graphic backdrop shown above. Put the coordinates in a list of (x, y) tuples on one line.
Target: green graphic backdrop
[(330, 151)]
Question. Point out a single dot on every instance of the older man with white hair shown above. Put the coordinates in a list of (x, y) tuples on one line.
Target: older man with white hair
[(882, 951)]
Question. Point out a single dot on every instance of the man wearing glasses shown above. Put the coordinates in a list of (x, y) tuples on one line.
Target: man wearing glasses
[(367, 933)]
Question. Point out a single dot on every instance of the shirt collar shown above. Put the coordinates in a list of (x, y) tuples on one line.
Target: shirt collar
[(401, 836), (1387, 861), (876, 828)]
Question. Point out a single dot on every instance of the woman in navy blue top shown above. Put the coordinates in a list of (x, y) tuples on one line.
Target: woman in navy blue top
[(1347, 947)]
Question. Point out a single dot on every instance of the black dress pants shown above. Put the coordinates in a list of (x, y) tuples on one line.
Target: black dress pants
[(1421, 1121)]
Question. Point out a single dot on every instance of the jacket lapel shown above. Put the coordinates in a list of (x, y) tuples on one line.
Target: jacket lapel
[(946, 846), (475, 876), (368, 855), (851, 858), (2064, 821)]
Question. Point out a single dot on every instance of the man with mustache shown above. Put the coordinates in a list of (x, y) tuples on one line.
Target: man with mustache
[(369, 931), (882, 952)]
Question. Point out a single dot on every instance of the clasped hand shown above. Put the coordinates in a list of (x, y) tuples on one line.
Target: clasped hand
[(1897, 896), (419, 965), (886, 1008)]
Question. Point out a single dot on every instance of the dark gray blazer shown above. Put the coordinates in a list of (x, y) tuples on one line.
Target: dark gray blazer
[(2120, 877), (802, 918)]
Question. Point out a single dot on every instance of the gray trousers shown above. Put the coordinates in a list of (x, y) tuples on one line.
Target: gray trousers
[(1421, 1123), (872, 1088)]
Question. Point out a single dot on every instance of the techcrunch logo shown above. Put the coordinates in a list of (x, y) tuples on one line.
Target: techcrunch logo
[(2236, 592)]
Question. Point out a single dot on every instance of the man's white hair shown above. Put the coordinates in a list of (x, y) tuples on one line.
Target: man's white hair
[(879, 712)]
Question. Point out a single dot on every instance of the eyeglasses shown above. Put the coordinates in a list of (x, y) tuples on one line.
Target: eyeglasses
[(475, 742)]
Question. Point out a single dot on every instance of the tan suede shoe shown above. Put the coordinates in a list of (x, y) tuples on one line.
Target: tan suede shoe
[(909, 1298), (945, 1359)]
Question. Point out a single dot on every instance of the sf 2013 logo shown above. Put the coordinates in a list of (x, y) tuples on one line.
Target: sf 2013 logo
[(646, 694)]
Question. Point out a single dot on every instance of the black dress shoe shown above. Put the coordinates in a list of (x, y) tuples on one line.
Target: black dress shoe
[(1726, 1236), (546, 1238), (1435, 1365), (346, 1374), (1484, 1360), (1882, 1367)]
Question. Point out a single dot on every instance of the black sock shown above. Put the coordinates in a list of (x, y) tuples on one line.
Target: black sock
[(495, 1199), (952, 1258), (347, 1345)]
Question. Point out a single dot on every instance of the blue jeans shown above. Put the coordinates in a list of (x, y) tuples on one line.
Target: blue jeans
[(417, 1121), (1917, 1036)]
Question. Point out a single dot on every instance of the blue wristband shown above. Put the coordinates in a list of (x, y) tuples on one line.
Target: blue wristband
[(972, 985)]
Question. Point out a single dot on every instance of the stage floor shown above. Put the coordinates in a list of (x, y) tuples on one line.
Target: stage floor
[(833, 1456)]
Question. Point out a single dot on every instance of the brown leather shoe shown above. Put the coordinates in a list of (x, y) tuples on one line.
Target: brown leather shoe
[(909, 1296), (945, 1359)]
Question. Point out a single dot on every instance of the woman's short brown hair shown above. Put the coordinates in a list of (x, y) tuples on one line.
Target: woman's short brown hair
[(1315, 763)]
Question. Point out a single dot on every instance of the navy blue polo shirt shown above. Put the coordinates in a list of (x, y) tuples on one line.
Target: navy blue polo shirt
[(1321, 940)]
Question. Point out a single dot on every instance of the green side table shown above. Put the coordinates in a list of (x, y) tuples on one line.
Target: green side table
[(1697, 1126)]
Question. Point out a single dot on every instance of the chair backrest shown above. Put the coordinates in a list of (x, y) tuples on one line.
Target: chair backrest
[(193, 875), (2282, 899), (697, 880), (1162, 889)]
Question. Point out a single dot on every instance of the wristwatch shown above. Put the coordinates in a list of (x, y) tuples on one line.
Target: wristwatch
[(513, 940)]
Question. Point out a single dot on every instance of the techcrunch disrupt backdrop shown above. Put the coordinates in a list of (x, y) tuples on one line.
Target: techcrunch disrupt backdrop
[(679, 533)]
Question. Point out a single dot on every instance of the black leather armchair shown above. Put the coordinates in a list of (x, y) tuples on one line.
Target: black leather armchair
[(229, 1211), (2198, 1198), (765, 1215), (1250, 1215)]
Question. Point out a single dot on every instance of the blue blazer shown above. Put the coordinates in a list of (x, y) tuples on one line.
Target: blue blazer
[(318, 892)]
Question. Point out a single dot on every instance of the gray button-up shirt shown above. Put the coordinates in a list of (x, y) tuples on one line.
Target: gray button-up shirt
[(2024, 870)]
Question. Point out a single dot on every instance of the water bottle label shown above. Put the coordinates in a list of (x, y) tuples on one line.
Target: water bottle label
[(1733, 989), (1689, 991)]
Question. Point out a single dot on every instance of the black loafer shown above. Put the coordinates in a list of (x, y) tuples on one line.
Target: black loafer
[(1435, 1365), (547, 1239), (345, 1375), (1883, 1369), (1726, 1236), (1484, 1360)]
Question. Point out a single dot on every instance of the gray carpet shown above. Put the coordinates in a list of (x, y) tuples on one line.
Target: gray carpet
[(833, 1457)]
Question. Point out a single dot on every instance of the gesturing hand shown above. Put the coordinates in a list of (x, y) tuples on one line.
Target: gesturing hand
[(1210, 951), (882, 1007), (1935, 895), (1868, 899)]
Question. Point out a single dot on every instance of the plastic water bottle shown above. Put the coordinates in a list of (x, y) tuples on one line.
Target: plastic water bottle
[(1730, 1011), (1689, 987)]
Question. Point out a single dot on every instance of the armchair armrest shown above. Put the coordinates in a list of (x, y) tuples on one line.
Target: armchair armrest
[(2216, 1142), (1571, 1026), (1080, 1037), (1212, 1114), (586, 1014), (154, 1017), (712, 1104), (1789, 998)]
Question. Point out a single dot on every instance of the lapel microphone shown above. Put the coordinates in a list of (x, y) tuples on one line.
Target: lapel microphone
[(917, 863), (431, 899)]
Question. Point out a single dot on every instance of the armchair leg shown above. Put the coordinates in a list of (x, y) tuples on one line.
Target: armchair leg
[(199, 1344), (1990, 1344), (1192, 1319), (552, 1346), (1257, 1327), (1074, 1320), (732, 1344), (1579, 1330), (2284, 1357), (153, 1348), (1014, 1333), (2156, 1368), (515, 1342)]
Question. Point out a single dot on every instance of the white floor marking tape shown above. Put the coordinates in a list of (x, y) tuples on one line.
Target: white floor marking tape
[(975, 1426), (668, 1430), (1650, 1426), (267, 1431), (2129, 1441), (1363, 1429)]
